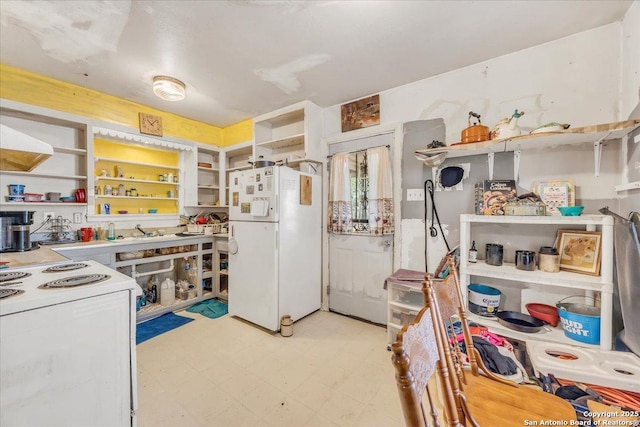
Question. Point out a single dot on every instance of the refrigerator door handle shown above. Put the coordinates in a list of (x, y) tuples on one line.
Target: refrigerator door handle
[(232, 246)]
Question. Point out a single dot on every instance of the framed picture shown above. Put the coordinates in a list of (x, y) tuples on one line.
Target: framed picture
[(579, 251), (361, 113)]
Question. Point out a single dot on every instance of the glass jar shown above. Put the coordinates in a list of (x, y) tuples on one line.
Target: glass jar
[(134, 192)]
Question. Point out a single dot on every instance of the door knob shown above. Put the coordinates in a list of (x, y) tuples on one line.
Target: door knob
[(386, 244)]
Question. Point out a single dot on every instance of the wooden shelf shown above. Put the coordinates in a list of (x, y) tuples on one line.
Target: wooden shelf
[(144, 181), (537, 141), (65, 150), (135, 197), (44, 175), (289, 141), (595, 135), (130, 162)]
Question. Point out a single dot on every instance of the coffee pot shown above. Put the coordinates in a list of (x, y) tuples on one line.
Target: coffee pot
[(15, 231), (507, 127)]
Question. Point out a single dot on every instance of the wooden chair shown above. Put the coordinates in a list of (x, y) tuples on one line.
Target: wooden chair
[(483, 400), (417, 355)]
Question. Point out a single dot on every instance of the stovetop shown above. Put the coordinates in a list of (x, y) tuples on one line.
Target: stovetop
[(42, 285)]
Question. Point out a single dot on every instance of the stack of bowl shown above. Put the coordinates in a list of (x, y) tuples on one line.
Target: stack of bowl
[(16, 193)]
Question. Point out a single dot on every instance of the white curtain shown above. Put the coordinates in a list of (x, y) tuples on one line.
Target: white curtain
[(380, 193), (340, 209)]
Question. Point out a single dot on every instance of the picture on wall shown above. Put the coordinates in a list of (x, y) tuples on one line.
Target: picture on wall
[(362, 113), (579, 251)]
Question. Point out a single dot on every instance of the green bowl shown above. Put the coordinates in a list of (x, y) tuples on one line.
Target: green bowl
[(571, 210)]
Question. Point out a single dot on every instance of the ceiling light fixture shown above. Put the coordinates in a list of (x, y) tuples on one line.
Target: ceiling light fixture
[(168, 88)]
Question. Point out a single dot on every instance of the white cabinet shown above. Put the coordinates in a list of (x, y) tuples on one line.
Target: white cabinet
[(69, 141), (233, 158), (208, 167), (507, 273), (154, 179), (289, 135)]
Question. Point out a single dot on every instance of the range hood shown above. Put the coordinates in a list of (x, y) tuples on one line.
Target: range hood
[(21, 152)]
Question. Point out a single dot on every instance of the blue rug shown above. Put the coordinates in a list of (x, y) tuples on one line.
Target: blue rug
[(159, 325), (211, 308)]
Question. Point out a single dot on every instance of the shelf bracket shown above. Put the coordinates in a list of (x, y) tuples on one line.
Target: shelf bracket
[(490, 158), (516, 164), (597, 153)]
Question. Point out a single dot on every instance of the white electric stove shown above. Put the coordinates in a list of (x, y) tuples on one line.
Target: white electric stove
[(67, 346)]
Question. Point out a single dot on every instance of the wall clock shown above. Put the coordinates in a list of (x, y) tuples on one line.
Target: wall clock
[(150, 125)]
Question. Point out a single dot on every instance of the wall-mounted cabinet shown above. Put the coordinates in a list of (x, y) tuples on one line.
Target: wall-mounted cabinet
[(208, 168), (69, 141), (130, 186), (234, 158), (290, 135)]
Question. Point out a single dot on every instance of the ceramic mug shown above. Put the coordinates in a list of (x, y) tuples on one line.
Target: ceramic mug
[(86, 233)]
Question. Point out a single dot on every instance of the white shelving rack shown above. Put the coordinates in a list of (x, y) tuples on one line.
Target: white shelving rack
[(564, 279)]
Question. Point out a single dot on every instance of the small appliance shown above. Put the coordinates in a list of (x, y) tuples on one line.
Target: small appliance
[(16, 231)]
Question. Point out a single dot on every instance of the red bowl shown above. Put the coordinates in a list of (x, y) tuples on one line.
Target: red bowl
[(544, 312)]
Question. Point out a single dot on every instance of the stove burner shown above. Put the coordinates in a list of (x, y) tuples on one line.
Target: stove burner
[(13, 275), (73, 281), (6, 293), (65, 267)]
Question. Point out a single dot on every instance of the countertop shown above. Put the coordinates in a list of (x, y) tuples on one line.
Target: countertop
[(47, 254)]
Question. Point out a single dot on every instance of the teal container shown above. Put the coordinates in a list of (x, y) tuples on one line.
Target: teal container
[(580, 322), (483, 300)]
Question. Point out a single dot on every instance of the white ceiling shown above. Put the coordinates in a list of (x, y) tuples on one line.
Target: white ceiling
[(240, 59)]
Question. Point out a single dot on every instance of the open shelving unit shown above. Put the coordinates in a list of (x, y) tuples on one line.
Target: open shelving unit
[(590, 285)]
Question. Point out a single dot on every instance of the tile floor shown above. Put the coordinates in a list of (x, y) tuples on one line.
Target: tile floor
[(333, 371)]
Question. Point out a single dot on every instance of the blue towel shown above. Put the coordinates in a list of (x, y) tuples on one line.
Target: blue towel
[(210, 308), (159, 325)]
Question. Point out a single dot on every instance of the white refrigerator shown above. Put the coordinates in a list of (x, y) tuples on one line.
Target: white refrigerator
[(275, 245)]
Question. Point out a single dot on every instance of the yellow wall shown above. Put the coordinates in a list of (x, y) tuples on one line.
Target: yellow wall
[(30, 88)]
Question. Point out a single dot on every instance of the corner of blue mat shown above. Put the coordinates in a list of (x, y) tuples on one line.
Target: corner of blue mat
[(211, 308), (154, 327)]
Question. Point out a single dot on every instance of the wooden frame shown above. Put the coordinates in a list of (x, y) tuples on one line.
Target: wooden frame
[(580, 251)]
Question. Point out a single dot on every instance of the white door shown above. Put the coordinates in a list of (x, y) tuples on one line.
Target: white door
[(253, 285), (358, 267), (359, 264)]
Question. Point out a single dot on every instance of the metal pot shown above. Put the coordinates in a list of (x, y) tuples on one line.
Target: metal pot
[(263, 163), (519, 321)]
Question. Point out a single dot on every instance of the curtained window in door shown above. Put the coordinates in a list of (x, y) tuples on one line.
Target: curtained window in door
[(360, 193), (380, 192), (340, 215)]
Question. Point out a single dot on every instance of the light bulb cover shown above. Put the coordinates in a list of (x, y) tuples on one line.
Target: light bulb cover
[(168, 88)]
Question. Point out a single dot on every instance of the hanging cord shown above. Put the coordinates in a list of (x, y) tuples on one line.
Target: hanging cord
[(433, 232)]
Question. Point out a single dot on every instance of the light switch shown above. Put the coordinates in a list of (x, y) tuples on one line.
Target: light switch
[(77, 218), (415, 194)]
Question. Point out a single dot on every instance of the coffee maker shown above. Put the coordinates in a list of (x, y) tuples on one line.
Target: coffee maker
[(15, 231)]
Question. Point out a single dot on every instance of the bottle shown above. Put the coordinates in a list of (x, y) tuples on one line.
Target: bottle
[(111, 233), (192, 274), (473, 253)]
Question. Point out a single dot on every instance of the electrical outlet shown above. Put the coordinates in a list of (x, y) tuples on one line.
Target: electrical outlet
[(415, 194), (77, 218), (49, 215)]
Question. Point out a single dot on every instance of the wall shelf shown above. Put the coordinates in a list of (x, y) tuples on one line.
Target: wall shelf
[(595, 134), (44, 175), (147, 181), (627, 187), (135, 197), (130, 162)]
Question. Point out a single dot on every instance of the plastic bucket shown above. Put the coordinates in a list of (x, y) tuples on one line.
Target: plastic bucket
[(580, 322), (483, 300)]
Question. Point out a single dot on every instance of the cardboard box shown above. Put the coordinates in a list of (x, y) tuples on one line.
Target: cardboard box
[(495, 194)]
